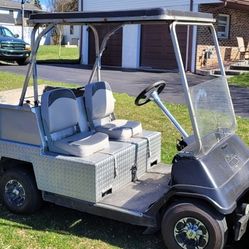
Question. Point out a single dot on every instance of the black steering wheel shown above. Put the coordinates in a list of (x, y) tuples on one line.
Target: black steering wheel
[(145, 96)]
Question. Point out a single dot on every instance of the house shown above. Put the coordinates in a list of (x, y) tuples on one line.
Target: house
[(11, 16), (232, 22), (145, 46), (71, 35)]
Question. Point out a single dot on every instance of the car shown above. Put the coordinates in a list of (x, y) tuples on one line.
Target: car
[(12, 48)]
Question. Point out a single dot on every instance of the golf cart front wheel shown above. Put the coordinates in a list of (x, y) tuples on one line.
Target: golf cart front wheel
[(187, 226)]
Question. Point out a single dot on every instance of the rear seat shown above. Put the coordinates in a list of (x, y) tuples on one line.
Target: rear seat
[(61, 117)]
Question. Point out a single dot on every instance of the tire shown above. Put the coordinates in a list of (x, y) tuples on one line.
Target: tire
[(23, 62), (190, 226), (19, 192)]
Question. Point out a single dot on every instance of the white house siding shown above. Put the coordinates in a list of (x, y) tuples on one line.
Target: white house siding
[(4, 12), (104, 5), (72, 39)]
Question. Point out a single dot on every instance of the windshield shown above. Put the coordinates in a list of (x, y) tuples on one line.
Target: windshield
[(214, 111), (6, 32)]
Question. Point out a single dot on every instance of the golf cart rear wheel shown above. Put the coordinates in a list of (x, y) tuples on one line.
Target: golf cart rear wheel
[(187, 226), (19, 191)]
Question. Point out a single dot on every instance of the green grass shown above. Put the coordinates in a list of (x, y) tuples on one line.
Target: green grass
[(59, 228), (240, 80), (10, 81), (53, 53)]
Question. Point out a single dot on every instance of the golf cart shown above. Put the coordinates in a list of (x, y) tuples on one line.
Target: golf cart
[(69, 148)]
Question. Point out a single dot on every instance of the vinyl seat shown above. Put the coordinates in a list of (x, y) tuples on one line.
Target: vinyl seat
[(100, 105), (60, 117)]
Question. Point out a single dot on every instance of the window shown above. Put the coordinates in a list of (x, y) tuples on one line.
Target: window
[(223, 22), (6, 32), (11, 12), (71, 29)]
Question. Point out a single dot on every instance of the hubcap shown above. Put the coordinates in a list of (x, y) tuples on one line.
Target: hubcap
[(191, 233), (15, 193)]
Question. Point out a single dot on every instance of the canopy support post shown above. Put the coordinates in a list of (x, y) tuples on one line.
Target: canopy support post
[(100, 51), (32, 66)]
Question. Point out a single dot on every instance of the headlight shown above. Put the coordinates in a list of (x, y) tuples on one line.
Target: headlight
[(27, 47)]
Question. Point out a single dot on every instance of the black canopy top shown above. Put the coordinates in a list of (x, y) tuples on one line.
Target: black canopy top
[(122, 17)]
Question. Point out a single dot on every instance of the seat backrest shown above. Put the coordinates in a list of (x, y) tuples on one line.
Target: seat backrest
[(241, 44), (99, 102), (59, 113)]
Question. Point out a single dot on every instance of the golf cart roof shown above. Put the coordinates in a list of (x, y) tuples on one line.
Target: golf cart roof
[(121, 17)]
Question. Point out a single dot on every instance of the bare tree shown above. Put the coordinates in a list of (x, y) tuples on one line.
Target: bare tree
[(61, 6), (66, 5)]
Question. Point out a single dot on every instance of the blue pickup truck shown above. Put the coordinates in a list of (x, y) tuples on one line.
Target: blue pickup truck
[(12, 48)]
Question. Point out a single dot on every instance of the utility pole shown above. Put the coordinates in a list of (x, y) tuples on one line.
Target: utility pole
[(22, 7)]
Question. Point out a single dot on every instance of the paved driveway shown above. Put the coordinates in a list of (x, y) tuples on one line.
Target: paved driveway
[(132, 82)]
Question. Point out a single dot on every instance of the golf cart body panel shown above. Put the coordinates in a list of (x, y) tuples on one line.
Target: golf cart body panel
[(125, 180), (18, 124), (220, 177)]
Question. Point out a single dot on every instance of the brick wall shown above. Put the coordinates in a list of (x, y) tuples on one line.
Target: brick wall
[(239, 21)]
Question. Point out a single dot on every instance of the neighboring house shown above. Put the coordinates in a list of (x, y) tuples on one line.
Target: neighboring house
[(232, 22), (147, 46), (71, 35), (11, 16)]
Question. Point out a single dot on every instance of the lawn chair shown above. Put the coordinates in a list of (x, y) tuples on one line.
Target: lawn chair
[(242, 49)]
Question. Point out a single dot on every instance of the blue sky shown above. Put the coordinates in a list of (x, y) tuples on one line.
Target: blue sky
[(44, 2)]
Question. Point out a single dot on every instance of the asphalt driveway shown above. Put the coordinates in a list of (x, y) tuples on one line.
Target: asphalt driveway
[(132, 82)]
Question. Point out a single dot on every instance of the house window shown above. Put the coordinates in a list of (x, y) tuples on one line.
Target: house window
[(223, 22), (11, 12), (71, 29)]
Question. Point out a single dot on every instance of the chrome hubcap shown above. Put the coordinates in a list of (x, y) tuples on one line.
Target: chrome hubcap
[(191, 233), (15, 193)]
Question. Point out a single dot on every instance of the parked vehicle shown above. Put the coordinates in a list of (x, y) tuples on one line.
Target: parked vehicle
[(72, 151), (12, 48)]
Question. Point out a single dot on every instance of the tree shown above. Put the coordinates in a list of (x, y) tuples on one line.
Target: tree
[(37, 3), (65, 5), (61, 6)]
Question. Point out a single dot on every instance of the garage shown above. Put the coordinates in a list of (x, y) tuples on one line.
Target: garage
[(111, 57), (157, 50)]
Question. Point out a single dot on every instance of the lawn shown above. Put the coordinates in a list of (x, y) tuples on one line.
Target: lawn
[(60, 228), (240, 80), (55, 52)]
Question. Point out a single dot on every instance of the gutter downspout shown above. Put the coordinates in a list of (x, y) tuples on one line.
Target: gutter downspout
[(188, 39), (80, 8)]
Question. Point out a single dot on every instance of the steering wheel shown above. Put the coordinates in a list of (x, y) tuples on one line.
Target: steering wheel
[(145, 96)]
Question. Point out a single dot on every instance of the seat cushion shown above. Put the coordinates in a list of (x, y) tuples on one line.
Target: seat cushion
[(81, 144), (121, 129)]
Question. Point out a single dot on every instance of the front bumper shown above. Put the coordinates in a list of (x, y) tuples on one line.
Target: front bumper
[(14, 54), (240, 225)]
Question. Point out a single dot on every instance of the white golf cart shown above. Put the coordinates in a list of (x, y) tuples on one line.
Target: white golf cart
[(68, 148)]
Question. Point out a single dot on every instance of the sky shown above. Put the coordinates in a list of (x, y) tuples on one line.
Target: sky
[(44, 3)]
